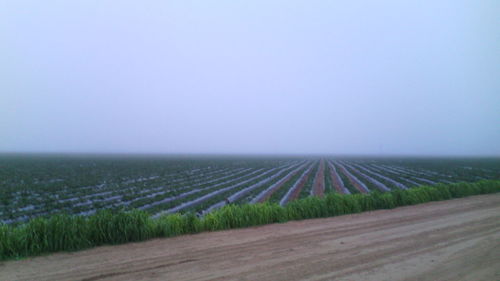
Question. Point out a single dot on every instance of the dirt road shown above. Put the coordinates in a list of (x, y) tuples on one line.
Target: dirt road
[(451, 240)]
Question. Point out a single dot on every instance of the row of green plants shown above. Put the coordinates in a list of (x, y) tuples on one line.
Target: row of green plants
[(252, 194), (433, 174), (281, 191), (376, 177), (49, 205), (309, 184), (370, 185), (202, 192), (399, 177), (280, 173), (328, 180), (466, 169), (69, 233), (201, 186), (61, 182), (412, 177), (46, 202), (347, 183)]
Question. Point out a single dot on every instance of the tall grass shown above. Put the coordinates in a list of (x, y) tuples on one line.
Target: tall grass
[(69, 233)]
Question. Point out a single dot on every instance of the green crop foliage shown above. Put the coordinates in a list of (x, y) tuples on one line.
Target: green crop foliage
[(69, 233)]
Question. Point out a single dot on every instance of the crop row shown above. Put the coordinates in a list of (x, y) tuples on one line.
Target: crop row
[(69, 233), (183, 187)]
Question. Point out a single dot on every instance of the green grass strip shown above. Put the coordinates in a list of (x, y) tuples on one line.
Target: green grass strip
[(70, 233)]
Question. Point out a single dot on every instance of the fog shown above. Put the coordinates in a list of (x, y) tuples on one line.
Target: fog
[(250, 77)]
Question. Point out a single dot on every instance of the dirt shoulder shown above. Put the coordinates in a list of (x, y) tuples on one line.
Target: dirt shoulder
[(450, 240)]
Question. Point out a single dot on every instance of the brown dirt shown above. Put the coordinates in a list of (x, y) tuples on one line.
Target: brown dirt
[(450, 240), (335, 180), (319, 180)]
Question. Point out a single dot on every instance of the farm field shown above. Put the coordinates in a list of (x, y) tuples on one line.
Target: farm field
[(40, 186), (446, 240)]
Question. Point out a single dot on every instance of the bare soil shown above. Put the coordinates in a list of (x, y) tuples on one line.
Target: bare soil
[(450, 240), (319, 180)]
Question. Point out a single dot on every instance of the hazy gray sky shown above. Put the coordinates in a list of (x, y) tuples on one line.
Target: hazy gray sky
[(348, 77)]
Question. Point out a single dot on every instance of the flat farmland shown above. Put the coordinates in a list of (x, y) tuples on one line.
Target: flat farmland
[(449, 240), (41, 186)]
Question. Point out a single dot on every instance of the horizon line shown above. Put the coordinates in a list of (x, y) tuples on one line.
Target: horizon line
[(245, 154)]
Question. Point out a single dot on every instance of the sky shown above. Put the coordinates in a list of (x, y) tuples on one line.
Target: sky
[(250, 77)]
